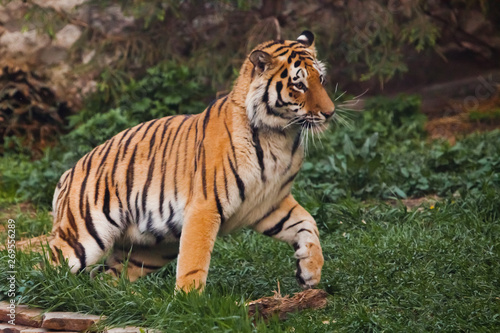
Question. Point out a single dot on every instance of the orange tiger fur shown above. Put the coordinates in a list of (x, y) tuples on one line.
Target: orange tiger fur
[(165, 188)]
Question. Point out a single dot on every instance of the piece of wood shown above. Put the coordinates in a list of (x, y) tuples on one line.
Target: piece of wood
[(266, 307)]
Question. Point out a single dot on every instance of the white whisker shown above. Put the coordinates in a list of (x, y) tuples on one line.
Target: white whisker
[(340, 95), (362, 94)]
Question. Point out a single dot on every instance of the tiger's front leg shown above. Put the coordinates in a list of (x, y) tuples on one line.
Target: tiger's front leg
[(291, 223), (199, 230)]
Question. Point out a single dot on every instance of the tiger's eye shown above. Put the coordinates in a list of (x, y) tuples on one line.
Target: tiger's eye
[(300, 86)]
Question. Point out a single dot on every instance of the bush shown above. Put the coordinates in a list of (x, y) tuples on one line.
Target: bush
[(386, 155), (165, 90)]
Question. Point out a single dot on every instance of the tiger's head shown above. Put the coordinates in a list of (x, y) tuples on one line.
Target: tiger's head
[(286, 85)]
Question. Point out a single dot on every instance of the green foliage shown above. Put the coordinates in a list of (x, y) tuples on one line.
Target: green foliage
[(387, 269), (487, 117), (165, 90), (385, 155), (376, 40)]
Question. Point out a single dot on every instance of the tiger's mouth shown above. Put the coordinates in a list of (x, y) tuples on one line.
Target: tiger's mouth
[(312, 122)]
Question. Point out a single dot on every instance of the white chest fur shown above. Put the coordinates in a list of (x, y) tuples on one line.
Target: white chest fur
[(270, 179)]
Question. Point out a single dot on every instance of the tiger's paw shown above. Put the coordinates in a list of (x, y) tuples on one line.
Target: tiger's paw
[(309, 263), (194, 280)]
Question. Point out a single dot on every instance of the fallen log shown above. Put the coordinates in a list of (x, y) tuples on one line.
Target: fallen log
[(266, 307)]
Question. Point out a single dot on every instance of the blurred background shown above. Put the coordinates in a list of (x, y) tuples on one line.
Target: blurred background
[(76, 72), (61, 58)]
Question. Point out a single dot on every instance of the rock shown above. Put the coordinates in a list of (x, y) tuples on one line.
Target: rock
[(24, 315), (53, 55), (128, 329), (64, 5), (27, 42), (473, 22), (67, 36), (35, 330), (70, 321), (7, 328)]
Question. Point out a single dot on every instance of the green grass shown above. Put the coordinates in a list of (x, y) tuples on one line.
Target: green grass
[(387, 268), (399, 270)]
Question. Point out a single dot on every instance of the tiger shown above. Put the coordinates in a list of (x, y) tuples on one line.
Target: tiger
[(166, 188)]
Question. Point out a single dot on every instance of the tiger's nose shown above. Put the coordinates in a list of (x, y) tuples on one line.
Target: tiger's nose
[(328, 114)]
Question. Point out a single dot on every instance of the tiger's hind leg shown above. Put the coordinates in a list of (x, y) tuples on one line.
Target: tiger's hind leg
[(291, 223), (81, 241), (138, 260)]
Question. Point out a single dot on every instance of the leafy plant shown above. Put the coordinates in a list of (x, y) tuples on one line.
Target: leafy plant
[(156, 95)]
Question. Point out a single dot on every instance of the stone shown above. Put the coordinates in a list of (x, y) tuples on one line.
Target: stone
[(128, 329), (23, 42), (64, 5), (69, 321), (7, 328), (24, 315), (53, 55), (67, 36), (35, 330)]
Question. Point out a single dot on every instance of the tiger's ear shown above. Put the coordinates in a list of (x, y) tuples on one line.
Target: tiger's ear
[(261, 60), (306, 38)]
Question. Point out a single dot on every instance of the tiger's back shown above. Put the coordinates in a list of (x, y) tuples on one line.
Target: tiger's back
[(168, 186)]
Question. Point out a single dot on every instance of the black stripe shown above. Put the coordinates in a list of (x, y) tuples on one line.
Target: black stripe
[(106, 204), (71, 220), (221, 105), (171, 226), (97, 185), (137, 208), (206, 119), (279, 226), (293, 225), (123, 220), (91, 228), (225, 181), (298, 275), (130, 176), (195, 145), (296, 142), (194, 271), (231, 144), (177, 163), (204, 173), (105, 157), (272, 43), (148, 183), (152, 141), (84, 183), (302, 230), (259, 152), (151, 123), (284, 74), (282, 53), (289, 180), (239, 182), (266, 215), (217, 200), (176, 133), (281, 48), (186, 147), (127, 143), (265, 98), (143, 265)]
